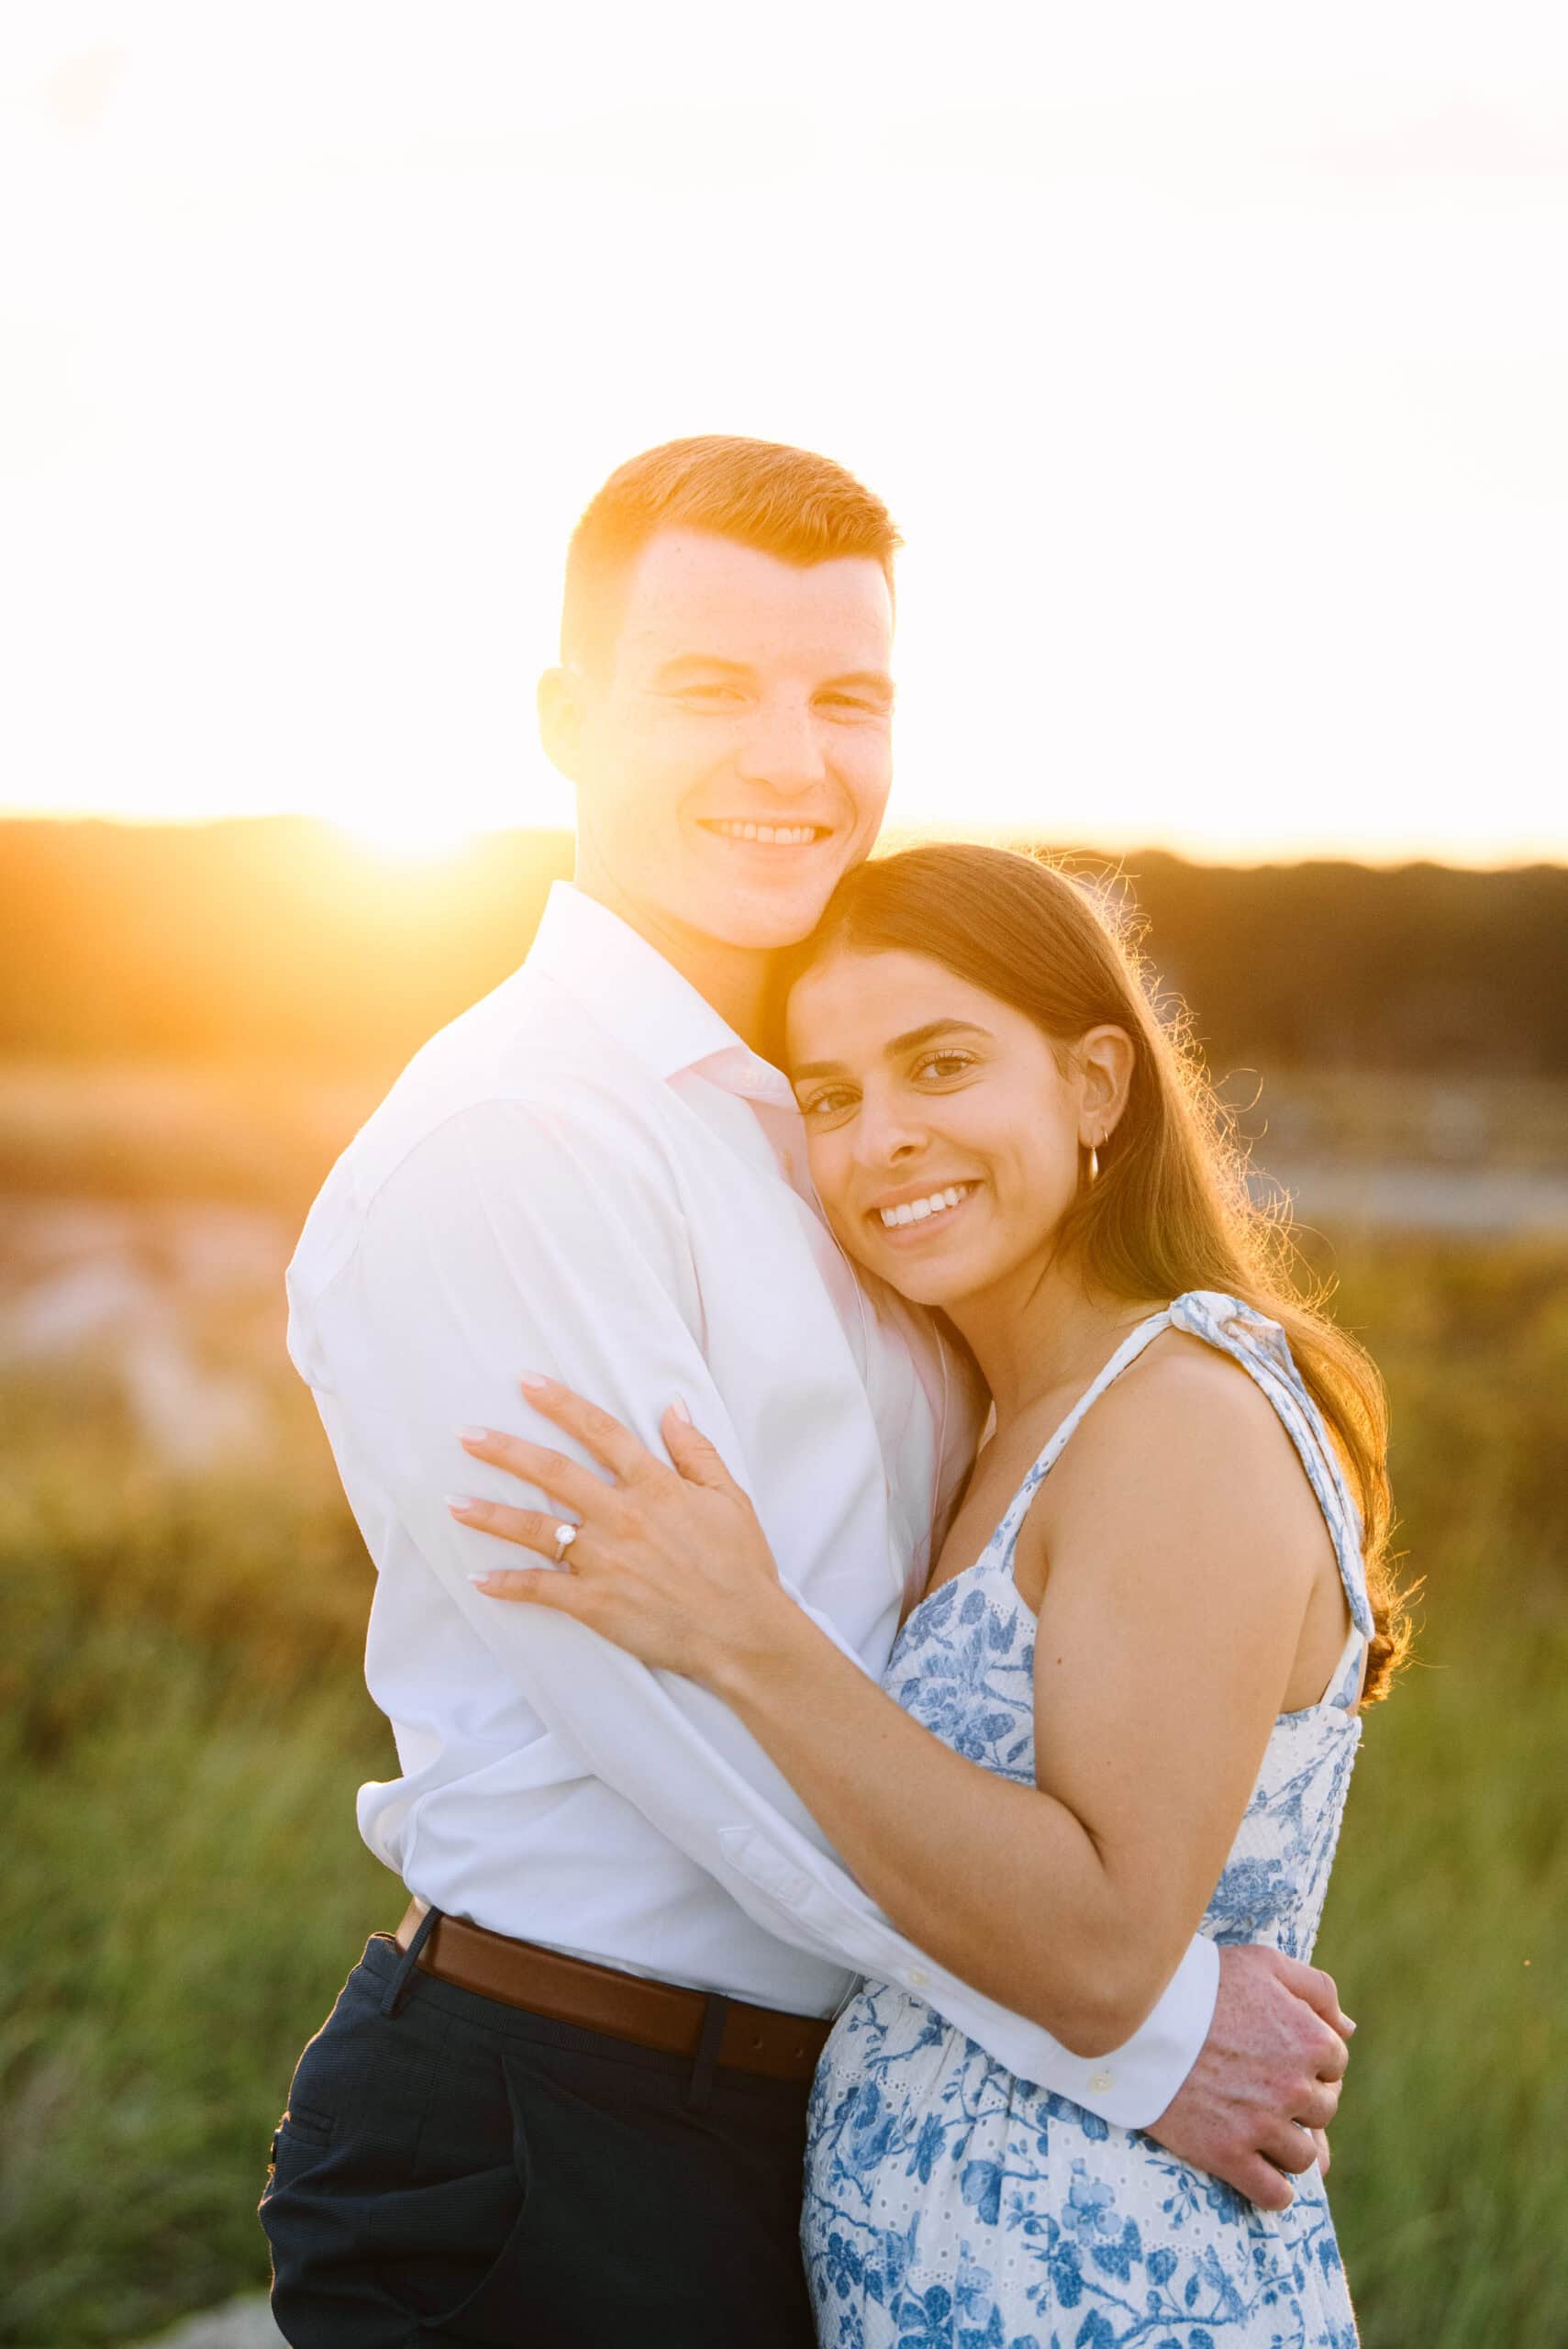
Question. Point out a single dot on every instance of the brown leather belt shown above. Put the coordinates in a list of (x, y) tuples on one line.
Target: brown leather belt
[(623, 2006)]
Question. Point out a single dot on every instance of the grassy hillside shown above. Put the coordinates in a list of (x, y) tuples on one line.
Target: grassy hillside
[(184, 1725)]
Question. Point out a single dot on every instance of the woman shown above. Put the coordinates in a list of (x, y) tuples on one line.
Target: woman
[(1129, 1701)]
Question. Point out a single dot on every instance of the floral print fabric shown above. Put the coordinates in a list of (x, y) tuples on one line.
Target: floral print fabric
[(951, 2205)]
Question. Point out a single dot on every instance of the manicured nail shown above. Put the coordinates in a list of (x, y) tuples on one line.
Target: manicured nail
[(480, 1578), (460, 1504), (532, 1381), (473, 1435), (682, 1410)]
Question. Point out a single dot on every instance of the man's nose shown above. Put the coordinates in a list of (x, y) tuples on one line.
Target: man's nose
[(781, 749)]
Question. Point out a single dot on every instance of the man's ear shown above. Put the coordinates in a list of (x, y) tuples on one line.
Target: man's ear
[(561, 713)]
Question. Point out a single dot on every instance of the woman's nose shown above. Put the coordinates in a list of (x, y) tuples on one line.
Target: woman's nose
[(888, 1135)]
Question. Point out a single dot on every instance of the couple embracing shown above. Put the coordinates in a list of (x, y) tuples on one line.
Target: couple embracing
[(878, 1574)]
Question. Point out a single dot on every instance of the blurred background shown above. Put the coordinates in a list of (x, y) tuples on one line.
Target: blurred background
[(1215, 371)]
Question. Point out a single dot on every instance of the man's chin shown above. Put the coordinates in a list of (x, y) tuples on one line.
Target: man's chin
[(765, 921)]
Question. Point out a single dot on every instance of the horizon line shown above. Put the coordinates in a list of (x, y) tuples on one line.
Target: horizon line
[(1000, 834)]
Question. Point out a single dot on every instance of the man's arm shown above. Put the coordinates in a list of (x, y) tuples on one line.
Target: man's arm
[(506, 1243)]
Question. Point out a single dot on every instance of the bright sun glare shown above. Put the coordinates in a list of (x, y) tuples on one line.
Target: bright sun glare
[(408, 833)]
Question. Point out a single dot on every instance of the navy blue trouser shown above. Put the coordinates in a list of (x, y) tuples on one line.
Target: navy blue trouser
[(453, 2170)]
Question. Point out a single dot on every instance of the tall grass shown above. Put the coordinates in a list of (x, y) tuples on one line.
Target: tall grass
[(182, 1889)]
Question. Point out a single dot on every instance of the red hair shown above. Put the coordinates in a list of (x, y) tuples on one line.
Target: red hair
[(785, 502)]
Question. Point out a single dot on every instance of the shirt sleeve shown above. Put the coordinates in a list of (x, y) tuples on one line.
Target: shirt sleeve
[(508, 1241)]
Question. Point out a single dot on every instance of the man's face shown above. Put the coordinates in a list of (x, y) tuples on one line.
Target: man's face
[(734, 757)]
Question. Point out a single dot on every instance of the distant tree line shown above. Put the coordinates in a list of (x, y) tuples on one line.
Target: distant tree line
[(283, 943)]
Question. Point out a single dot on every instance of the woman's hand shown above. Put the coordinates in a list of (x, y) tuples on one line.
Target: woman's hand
[(668, 1562)]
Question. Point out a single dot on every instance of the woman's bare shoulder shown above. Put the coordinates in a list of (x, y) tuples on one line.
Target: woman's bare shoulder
[(1181, 1421)]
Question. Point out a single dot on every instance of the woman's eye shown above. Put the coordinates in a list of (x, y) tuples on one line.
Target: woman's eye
[(944, 1064), (709, 696), (825, 1104)]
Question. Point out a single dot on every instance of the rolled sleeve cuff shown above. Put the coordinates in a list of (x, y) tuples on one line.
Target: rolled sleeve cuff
[(1131, 2086)]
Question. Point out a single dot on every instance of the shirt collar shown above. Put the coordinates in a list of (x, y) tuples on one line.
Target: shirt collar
[(629, 990)]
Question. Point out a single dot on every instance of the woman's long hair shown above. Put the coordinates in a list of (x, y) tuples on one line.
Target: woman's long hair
[(1172, 1209)]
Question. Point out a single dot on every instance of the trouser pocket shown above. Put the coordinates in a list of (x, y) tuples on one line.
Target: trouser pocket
[(446, 2244), (399, 2181)]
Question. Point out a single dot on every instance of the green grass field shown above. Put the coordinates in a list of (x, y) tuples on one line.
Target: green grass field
[(182, 1889)]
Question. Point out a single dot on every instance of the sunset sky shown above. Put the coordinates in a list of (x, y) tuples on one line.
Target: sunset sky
[(1213, 361)]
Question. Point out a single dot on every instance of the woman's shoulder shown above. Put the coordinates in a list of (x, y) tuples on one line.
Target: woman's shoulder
[(1191, 1409)]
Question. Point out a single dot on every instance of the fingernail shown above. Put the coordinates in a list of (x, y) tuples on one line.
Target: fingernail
[(473, 1435), (479, 1577), (1349, 2024), (682, 1410), (532, 1380), (461, 1506)]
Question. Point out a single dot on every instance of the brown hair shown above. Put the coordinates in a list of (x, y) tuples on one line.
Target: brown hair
[(1172, 1209), (785, 502)]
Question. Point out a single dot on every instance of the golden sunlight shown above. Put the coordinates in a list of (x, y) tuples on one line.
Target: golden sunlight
[(407, 833)]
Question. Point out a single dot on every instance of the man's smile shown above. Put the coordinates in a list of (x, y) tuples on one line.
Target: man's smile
[(744, 831)]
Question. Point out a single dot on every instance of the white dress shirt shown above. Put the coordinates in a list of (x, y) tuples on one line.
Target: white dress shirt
[(589, 1174)]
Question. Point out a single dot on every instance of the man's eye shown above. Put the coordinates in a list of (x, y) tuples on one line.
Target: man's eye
[(710, 696), (850, 706)]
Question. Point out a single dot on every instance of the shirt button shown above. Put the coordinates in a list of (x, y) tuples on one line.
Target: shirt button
[(1100, 2082), (917, 1977)]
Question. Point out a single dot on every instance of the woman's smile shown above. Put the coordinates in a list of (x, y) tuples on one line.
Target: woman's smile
[(911, 1217)]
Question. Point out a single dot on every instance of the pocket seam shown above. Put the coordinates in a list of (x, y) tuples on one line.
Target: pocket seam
[(303, 2123), (436, 2321)]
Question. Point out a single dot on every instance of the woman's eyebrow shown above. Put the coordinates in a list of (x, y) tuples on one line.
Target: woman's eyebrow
[(897, 1046), (913, 1038)]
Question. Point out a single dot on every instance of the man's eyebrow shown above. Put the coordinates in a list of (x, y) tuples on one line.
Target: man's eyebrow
[(865, 681), (679, 662), (897, 1046)]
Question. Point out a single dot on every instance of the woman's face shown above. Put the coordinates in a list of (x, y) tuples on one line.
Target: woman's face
[(944, 1137)]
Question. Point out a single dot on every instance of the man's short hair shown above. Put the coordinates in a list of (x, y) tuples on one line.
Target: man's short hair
[(783, 501)]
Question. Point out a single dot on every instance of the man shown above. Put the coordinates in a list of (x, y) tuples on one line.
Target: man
[(567, 2103)]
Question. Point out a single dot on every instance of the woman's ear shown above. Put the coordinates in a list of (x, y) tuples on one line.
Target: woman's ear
[(1106, 1057)]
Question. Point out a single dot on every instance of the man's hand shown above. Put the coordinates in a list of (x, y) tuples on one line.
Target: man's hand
[(1267, 2078)]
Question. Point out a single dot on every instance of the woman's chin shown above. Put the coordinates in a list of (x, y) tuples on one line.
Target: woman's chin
[(924, 1281)]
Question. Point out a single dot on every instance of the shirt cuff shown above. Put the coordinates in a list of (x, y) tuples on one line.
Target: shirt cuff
[(1131, 2086)]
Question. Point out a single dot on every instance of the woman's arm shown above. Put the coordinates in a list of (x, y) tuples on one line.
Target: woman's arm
[(1178, 1580)]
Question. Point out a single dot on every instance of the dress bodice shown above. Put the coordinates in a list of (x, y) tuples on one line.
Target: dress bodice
[(963, 1662)]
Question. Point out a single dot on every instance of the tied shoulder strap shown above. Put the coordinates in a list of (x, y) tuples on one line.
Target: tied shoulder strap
[(1259, 1347)]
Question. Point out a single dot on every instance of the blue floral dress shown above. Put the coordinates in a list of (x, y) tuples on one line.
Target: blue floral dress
[(951, 2204)]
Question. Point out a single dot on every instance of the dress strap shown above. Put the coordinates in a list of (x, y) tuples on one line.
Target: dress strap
[(1261, 1348), (1125, 1356)]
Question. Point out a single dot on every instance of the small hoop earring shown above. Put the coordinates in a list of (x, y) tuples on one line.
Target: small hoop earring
[(1094, 1163)]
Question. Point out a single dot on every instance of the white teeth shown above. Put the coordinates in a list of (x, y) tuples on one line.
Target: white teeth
[(916, 1210), (770, 835)]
